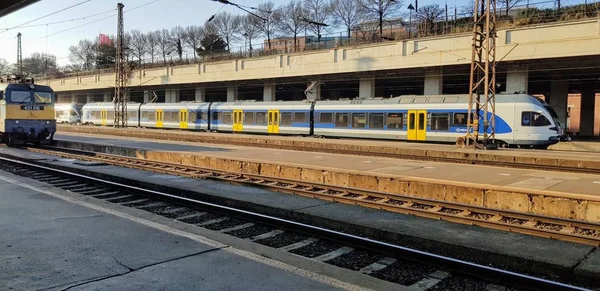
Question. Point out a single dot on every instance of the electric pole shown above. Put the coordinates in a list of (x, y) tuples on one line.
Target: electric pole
[(121, 74), (19, 54), (482, 84)]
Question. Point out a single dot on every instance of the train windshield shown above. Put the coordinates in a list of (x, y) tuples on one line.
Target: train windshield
[(552, 113), (20, 96), (42, 97)]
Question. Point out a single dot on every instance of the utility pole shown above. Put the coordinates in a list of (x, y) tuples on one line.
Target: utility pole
[(121, 74), (19, 54), (482, 84)]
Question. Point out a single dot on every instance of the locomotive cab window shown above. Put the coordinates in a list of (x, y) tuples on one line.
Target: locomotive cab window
[(394, 121), (530, 118), (42, 97), (439, 121), (20, 96)]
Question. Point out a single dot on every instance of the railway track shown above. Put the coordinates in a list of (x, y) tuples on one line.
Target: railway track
[(404, 266), (542, 226)]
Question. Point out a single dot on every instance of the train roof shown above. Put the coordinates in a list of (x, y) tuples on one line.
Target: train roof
[(21, 86), (180, 105), (429, 99), (300, 105)]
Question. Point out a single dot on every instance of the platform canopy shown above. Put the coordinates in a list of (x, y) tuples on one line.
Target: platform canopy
[(10, 6)]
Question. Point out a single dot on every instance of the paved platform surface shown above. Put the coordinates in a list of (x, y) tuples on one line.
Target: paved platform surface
[(577, 146), (47, 243), (497, 248), (568, 183)]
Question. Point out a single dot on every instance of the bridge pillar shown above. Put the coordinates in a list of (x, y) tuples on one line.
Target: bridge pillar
[(89, 98), (517, 79), (433, 82), (232, 93), (172, 96), (200, 95), (588, 107), (270, 92), (559, 97), (366, 88)]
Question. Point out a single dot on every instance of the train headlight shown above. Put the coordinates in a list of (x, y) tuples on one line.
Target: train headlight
[(47, 121), (17, 122)]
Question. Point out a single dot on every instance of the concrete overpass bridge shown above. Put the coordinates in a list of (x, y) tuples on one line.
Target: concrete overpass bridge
[(551, 59)]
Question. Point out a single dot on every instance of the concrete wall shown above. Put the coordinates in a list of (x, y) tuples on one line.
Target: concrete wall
[(530, 43)]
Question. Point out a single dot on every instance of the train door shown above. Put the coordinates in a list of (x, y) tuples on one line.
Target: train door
[(273, 117), (183, 119), (103, 116), (238, 123), (159, 117), (417, 125)]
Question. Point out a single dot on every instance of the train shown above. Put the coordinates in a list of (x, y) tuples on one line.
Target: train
[(521, 120), (68, 113), (26, 112)]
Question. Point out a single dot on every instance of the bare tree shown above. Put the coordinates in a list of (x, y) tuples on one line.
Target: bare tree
[(318, 11), (267, 28), (290, 21), (153, 39), (428, 14), (249, 30), (165, 45), (508, 4), (346, 12), (193, 36), (138, 45), (177, 39), (4, 67), (380, 9), (83, 53), (227, 26)]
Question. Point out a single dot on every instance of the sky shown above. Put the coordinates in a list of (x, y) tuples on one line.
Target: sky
[(89, 18)]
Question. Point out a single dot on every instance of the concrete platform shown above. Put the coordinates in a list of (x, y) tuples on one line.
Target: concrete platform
[(367, 147), (502, 249), (577, 146), (559, 194), (51, 244)]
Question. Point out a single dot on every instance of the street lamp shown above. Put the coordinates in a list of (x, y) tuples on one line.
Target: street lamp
[(410, 8)]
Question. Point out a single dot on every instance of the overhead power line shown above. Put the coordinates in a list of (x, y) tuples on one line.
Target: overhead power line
[(62, 21), (50, 14)]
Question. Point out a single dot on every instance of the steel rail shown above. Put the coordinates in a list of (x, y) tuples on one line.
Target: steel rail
[(457, 265), (530, 224)]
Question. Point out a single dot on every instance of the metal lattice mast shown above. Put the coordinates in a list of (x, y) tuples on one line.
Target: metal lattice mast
[(19, 54), (482, 85), (121, 75)]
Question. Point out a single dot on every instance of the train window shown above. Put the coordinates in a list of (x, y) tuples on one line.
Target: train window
[(110, 115), (152, 116), (411, 121), (359, 120), (42, 97), (460, 118), (204, 116), (439, 121), (261, 118), (249, 118), (167, 116), (341, 120), (175, 116), (394, 121), (20, 96), (326, 117), (226, 118), (192, 117), (145, 115), (286, 119), (421, 121), (376, 120), (132, 114), (529, 118), (300, 117), (73, 113)]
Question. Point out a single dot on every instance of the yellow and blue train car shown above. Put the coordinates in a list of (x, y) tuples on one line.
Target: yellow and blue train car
[(26, 112)]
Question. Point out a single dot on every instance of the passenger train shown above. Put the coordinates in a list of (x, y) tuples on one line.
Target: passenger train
[(26, 112), (69, 113), (521, 120)]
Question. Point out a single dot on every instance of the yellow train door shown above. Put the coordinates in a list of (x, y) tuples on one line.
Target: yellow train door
[(273, 117), (159, 118), (238, 122), (103, 117), (417, 125), (183, 119)]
